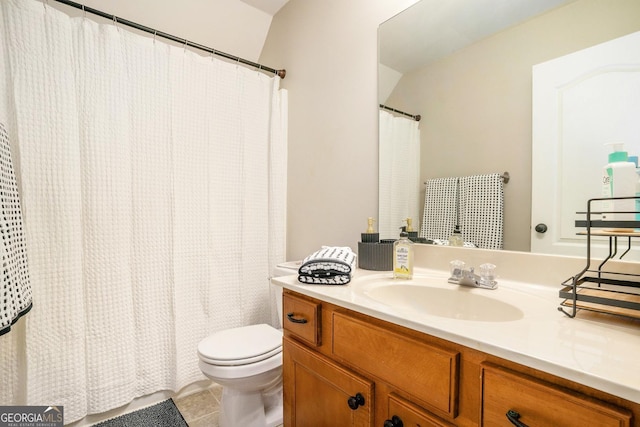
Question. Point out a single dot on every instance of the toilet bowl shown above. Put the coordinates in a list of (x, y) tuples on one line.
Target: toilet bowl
[(247, 363)]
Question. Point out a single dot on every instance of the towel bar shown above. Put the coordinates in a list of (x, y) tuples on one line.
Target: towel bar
[(505, 178)]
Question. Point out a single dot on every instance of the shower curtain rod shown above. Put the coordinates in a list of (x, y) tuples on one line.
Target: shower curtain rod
[(417, 117), (281, 73)]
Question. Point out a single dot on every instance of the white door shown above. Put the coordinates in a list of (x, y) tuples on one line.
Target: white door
[(580, 102)]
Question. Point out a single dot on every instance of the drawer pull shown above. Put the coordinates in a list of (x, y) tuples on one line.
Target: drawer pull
[(395, 421), (356, 401), (514, 417), (294, 320)]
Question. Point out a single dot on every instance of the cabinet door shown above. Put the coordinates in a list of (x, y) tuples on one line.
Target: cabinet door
[(538, 404), (406, 414), (318, 392), (428, 373)]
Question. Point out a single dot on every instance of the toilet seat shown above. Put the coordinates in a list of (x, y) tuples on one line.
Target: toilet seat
[(241, 346), (236, 372)]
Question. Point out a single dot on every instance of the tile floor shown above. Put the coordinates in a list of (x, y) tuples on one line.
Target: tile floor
[(201, 409)]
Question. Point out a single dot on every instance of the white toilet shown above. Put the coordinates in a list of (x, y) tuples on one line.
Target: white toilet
[(247, 363)]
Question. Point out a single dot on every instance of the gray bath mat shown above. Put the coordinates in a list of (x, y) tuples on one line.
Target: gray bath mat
[(163, 414)]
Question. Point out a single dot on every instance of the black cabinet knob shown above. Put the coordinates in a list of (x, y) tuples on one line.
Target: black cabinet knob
[(395, 421), (541, 228), (356, 401)]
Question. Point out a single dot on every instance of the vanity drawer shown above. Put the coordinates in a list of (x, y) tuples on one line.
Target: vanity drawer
[(302, 318), (541, 404), (426, 372), (412, 415)]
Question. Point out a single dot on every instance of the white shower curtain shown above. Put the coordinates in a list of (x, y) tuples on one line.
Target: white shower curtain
[(153, 183), (399, 174)]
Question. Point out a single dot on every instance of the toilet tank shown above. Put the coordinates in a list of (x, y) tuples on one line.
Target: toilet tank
[(283, 269)]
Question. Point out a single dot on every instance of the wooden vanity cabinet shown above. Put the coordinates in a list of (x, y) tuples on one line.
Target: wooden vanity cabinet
[(335, 358), (343, 368), (319, 392), (538, 403), (425, 372)]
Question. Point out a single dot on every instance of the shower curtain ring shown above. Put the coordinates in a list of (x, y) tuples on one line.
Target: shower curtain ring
[(155, 32)]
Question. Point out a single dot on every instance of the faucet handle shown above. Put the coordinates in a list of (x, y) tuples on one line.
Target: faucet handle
[(456, 268), (487, 272)]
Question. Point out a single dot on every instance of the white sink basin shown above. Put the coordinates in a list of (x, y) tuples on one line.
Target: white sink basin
[(457, 302)]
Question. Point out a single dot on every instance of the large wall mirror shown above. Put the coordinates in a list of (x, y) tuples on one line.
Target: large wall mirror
[(465, 66)]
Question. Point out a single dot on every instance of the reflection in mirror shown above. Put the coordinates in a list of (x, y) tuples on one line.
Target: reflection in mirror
[(582, 104), (470, 79), (399, 173)]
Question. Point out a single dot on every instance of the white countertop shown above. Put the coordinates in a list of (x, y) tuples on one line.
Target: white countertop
[(599, 351)]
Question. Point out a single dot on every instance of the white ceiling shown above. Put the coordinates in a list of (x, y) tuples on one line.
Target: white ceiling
[(431, 29), (271, 7)]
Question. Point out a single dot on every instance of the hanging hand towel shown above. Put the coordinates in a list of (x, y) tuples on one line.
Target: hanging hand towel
[(328, 266), (16, 286), (439, 216), (481, 210)]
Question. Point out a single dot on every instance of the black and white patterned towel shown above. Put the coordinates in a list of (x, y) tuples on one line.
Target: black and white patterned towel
[(480, 205), (482, 209), (15, 286), (330, 265), (439, 215)]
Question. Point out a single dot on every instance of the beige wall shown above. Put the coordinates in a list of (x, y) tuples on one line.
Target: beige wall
[(329, 48), (476, 104)]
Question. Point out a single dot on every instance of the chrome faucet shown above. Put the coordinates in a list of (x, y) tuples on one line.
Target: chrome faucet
[(467, 277)]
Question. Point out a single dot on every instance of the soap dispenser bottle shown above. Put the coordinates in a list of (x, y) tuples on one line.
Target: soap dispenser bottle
[(413, 235), (403, 257), (456, 238), (638, 197), (634, 160), (618, 180), (370, 236)]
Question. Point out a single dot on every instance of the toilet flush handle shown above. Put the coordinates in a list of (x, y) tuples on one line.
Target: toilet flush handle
[(294, 320)]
